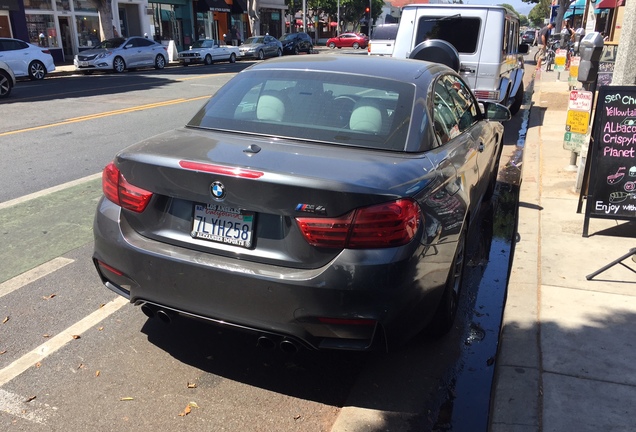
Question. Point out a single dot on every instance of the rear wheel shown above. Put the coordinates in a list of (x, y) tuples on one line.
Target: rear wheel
[(279, 53), (296, 50), (208, 60), (160, 62), (516, 105), (447, 309), (6, 84), (119, 65), (261, 55), (37, 71), (356, 45), (232, 58)]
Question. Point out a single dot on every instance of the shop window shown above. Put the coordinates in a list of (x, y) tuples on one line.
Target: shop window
[(38, 4), (87, 31), (84, 6), (41, 30), (63, 5)]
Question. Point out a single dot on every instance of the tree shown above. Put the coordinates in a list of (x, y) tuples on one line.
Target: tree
[(105, 10), (538, 14), (564, 5)]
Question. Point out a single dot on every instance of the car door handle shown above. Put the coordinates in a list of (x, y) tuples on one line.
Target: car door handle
[(481, 147)]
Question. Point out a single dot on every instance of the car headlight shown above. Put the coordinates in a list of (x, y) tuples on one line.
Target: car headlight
[(104, 54)]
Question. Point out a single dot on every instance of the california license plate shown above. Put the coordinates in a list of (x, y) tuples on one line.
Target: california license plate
[(223, 224)]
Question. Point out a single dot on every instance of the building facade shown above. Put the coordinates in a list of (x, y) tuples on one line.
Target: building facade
[(67, 27)]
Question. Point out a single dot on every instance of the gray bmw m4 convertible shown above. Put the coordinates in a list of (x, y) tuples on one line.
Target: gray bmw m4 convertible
[(319, 201)]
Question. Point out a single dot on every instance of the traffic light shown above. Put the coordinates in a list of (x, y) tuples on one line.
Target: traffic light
[(367, 15)]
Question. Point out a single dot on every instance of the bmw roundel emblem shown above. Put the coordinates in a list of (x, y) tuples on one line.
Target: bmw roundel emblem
[(218, 190)]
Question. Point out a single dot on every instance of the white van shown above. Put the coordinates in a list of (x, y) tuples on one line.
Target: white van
[(485, 39), (382, 40)]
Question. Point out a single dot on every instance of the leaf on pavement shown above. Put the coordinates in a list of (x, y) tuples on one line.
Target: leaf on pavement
[(3, 352), (192, 385), (5, 320), (97, 373), (38, 365), (81, 366), (185, 412), (75, 336), (297, 416), (30, 399), (46, 335), (193, 405), (126, 399), (48, 297), (101, 328)]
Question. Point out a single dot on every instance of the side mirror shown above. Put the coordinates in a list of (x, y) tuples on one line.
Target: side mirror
[(494, 111)]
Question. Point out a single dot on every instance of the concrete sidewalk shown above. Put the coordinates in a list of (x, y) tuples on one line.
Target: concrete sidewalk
[(567, 359)]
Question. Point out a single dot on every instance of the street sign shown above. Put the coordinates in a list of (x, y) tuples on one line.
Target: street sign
[(573, 78), (575, 141), (580, 100), (560, 59), (577, 121)]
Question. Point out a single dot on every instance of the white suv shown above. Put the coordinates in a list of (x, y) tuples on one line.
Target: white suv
[(485, 39)]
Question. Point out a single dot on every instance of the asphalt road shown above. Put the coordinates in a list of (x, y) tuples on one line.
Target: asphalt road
[(74, 356)]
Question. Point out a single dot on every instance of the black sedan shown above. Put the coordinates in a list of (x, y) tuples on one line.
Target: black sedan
[(320, 201)]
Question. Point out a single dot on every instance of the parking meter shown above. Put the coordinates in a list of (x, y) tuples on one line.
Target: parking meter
[(590, 48)]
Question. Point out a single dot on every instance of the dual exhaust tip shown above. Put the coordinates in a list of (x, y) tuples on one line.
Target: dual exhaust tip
[(265, 342)]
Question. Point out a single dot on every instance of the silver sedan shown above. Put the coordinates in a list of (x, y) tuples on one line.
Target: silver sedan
[(119, 54)]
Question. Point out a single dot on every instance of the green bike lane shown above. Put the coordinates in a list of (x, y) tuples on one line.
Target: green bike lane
[(38, 230)]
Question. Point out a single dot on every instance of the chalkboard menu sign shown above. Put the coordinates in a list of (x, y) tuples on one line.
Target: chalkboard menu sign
[(606, 64), (611, 192)]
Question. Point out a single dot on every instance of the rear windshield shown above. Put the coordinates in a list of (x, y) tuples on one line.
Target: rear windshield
[(332, 108), (461, 32), (385, 32)]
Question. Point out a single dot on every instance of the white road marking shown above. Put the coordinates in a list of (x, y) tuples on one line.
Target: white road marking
[(57, 342), (14, 404), (33, 275), (48, 191)]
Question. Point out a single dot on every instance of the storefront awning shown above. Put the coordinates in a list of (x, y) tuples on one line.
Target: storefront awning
[(239, 6), (217, 6), (11, 5), (609, 4)]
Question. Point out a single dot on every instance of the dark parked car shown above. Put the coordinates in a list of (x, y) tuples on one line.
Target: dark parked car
[(321, 202), (295, 43), (529, 37)]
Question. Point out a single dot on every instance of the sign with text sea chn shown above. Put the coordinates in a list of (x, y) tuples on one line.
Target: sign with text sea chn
[(611, 190)]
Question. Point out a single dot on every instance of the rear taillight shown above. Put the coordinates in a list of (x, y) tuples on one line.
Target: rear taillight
[(122, 193), (46, 51), (379, 226), (486, 94)]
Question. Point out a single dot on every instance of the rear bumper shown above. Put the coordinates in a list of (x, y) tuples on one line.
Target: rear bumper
[(344, 304)]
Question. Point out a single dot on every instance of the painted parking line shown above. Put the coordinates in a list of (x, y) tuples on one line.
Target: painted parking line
[(33, 275), (64, 337), (13, 404), (48, 191)]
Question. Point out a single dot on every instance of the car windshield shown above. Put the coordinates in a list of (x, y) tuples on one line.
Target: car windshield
[(205, 43), (111, 43), (445, 28), (332, 108), (287, 37), (255, 40), (385, 32)]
